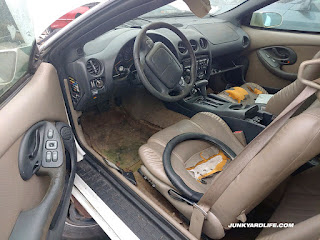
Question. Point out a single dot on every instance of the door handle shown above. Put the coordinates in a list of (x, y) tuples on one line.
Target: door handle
[(273, 58), (36, 145)]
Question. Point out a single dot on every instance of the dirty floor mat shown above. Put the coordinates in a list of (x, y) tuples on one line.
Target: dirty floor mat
[(117, 136), (141, 105)]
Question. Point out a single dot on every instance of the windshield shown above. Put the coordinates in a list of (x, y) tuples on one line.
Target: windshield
[(180, 8)]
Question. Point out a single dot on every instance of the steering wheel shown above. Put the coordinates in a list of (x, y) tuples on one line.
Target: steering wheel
[(158, 68)]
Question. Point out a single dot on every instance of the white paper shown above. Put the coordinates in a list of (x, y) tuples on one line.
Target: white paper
[(263, 98)]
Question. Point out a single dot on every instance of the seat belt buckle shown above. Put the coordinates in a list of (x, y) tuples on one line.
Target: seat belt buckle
[(311, 83), (205, 214)]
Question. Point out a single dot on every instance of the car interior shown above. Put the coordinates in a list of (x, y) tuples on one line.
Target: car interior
[(132, 89), (135, 90)]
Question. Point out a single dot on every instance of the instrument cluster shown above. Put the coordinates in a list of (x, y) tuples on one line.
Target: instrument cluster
[(124, 65)]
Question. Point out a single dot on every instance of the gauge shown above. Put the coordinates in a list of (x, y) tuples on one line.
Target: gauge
[(128, 54)]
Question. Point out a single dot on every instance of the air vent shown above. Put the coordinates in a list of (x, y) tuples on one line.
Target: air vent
[(94, 66), (194, 45), (182, 48), (203, 43), (245, 42)]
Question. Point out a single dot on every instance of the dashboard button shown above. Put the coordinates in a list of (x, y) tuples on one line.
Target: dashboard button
[(51, 145)]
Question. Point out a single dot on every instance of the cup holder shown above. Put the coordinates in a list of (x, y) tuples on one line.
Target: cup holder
[(236, 107)]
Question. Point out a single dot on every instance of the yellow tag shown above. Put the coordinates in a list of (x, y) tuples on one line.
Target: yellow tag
[(237, 93)]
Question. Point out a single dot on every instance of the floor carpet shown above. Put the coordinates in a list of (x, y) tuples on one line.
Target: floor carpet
[(117, 136)]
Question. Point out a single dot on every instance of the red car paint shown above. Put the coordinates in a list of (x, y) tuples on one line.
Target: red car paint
[(69, 17)]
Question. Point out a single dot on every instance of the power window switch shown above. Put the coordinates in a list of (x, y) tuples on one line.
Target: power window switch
[(51, 145), (50, 133), (54, 156), (48, 156)]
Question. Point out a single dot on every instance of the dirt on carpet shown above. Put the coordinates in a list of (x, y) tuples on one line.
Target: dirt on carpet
[(117, 136)]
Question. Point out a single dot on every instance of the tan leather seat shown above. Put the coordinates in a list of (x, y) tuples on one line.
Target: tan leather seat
[(282, 98), (294, 144), (301, 206)]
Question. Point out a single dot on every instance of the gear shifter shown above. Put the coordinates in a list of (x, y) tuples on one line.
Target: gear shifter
[(201, 87)]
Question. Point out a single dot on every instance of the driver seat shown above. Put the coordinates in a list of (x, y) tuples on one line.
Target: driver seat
[(293, 145)]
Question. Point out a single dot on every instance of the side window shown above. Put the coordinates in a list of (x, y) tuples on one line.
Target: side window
[(15, 48), (292, 15)]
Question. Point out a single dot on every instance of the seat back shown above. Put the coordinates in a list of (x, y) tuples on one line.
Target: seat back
[(297, 142)]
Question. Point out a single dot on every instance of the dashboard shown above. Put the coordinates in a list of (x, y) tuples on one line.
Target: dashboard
[(105, 64)]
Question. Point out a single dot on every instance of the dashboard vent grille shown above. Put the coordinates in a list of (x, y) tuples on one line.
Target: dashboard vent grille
[(182, 48), (203, 43), (94, 66), (194, 45)]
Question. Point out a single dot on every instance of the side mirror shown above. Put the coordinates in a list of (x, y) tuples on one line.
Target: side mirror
[(266, 19), (14, 64), (8, 59)]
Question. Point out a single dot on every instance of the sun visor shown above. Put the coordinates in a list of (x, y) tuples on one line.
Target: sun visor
[(199, 7)]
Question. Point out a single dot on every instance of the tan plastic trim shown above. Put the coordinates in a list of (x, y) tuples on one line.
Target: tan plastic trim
[(261, 38)]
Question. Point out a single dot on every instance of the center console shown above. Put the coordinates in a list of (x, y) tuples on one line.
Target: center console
[(251, 119)]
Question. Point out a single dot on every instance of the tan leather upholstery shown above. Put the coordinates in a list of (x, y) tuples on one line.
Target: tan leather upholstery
[(300, 205), (250, 98), (296, 143), (187, 153)]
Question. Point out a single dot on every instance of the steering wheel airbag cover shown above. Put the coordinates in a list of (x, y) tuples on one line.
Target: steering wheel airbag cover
[(175, 179), (164, 65), (153, 84)]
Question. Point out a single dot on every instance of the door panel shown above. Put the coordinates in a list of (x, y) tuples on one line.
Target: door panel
[(304, 45), (40, 99), (303, 53), (17, 195)]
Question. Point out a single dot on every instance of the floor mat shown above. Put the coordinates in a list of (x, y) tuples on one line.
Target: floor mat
[(141, 105), (117, 136)]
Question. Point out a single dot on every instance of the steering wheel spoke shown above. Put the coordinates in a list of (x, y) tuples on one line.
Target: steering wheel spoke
[(147, 44), (163, 89), (180, 86)]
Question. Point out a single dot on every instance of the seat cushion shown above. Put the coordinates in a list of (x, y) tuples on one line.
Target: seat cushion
[(246, 94), (188, 153), (300, 202)]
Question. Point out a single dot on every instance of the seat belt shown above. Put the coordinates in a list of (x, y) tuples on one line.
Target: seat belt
[(224, 179)]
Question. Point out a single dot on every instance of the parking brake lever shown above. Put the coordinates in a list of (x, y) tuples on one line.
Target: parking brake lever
[(201, 87)]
